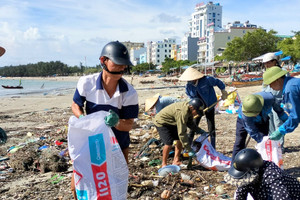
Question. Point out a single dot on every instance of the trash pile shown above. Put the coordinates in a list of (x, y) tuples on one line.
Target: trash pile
[(35, 164)]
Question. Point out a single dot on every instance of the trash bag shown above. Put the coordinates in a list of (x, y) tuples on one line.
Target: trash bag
[(3, 136)]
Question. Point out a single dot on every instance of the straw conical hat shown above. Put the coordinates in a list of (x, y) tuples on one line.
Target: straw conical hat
[(151, 102), (2, 51), (190, 74)]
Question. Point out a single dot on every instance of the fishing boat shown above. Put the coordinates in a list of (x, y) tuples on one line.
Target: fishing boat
[(12, 87)]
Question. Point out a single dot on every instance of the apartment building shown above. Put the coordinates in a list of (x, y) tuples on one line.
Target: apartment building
[(160, 50), (189, 47), (205, 14)]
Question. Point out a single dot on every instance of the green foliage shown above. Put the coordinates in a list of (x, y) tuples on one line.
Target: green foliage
[(143, 67), (171, 63), (291, 47), (252, 45), (39, 69)]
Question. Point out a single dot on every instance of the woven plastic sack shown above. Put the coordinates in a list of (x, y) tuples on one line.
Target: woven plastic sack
[(100, 169), (209, 158), (270, 150)]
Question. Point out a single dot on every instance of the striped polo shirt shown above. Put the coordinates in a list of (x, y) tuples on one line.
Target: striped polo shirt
[(91, 91)]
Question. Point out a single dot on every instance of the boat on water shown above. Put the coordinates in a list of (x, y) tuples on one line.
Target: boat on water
[(12, 87)]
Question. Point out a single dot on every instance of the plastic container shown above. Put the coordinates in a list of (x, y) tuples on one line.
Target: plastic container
[(168, 169)]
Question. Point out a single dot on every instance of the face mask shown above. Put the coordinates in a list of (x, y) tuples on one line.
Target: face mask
[(194, 83)]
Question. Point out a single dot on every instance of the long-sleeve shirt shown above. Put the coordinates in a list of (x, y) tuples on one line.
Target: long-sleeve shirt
[(253, 124), (204, 89), (177, 114), (273, 183), (163, 102), (291, 100)]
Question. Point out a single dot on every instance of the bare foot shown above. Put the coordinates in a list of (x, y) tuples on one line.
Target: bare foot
[(177, 163)]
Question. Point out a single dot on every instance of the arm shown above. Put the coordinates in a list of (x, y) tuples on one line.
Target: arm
[(125, 124), (292, 99), (273, 182), (251, 129), (181, 129), (241, 193), (216, 82), (76, 109)]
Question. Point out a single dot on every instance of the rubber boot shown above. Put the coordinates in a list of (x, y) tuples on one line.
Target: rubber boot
[(213, 142), (191, 137)]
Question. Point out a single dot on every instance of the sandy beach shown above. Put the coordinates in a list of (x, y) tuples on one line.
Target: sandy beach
[(29, 117)]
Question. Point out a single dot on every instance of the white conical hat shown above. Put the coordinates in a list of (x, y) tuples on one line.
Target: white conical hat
[(190, 74), (149, 103)]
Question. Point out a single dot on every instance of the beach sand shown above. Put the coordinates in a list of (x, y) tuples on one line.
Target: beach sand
[(47, 116)]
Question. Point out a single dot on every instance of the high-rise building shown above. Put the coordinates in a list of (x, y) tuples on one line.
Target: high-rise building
[(205, 14), (160, 50), (189, 47)]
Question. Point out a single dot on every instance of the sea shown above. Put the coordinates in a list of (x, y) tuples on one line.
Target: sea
[(36, 87)]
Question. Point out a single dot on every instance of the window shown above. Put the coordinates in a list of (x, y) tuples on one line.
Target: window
[(166, 50), (228, 37), (157, 61), (157, 50), (169, 45), (170, 51), (214, 14), (165, 45), (165, 56), (158, 55), (169, 56), (244, 31)]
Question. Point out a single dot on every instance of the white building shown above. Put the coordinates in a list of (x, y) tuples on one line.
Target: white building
[(135, 55), (160, 50), (216, 39), (205, 14)]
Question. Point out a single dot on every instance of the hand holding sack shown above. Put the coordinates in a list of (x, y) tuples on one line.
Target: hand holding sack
[(112, 119), (276, 135)]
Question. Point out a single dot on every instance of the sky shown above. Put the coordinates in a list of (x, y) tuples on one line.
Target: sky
[(75, 31)]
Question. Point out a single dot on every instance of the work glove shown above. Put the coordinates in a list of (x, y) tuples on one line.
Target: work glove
[(112, 119), (276, 135), (224, 94), (192, 153), (284, 117)]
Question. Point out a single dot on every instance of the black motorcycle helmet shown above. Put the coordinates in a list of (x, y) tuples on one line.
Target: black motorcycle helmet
[(244, 161), (198, 105), (117, 52)]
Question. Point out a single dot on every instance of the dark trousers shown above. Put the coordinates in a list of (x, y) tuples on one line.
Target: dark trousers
[(241, 135), (210, 117)]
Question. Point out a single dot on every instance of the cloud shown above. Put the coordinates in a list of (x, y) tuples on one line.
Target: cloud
[(165, 18)]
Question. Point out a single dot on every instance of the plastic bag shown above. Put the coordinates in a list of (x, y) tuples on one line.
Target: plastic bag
[(209, 158), (100, 169), (270, 150)]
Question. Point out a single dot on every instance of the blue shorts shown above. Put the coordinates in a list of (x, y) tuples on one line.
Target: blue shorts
[(122, 137)]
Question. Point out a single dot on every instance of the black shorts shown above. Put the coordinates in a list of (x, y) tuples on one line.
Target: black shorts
[(122, 137), (168, 134)]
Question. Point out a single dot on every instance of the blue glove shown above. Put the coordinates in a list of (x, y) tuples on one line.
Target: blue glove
[(276, 135), (112, 119), (192, 153), (284, 117)]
